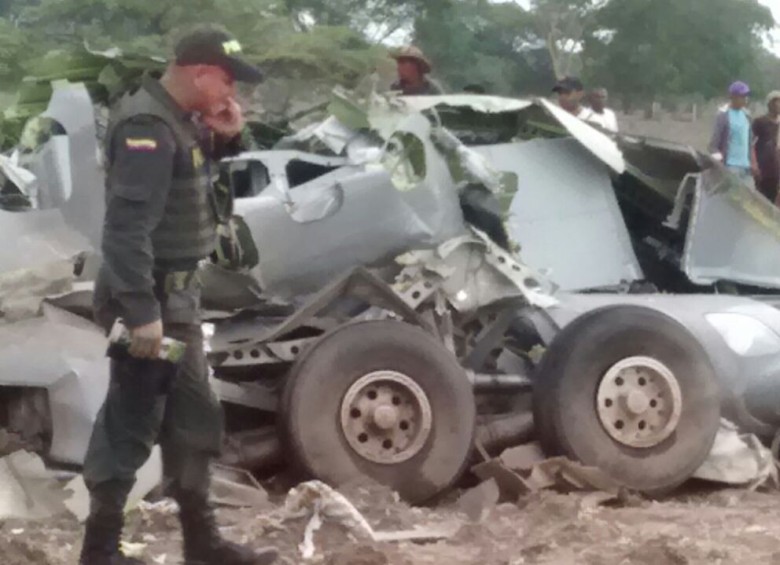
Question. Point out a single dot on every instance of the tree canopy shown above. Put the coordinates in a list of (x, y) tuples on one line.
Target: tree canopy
[(677, 47), (640, 49)]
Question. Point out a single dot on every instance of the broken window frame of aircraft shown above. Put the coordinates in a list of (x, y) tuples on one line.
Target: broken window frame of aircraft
[(389, 323)]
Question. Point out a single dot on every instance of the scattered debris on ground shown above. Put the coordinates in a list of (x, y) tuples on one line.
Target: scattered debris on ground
[(703, 526)]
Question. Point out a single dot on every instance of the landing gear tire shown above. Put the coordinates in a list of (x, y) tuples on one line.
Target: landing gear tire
[(631, 391), (381, 399)]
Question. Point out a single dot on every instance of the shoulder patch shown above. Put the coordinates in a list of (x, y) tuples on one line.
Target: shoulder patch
[(141, 144)]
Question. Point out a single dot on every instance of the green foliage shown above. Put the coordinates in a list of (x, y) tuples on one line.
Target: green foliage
[(673, 47), (478, 42), (560, 25), (389, 15), (640, 49), (334, 53), (13, 46), (149, 27)]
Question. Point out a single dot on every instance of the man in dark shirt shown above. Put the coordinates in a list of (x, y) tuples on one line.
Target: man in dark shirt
[(413, 71), (571, 91), (160, 222), (765, 133)]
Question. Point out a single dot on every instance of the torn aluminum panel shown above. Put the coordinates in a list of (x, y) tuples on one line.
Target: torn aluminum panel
[(23, 291), (332, 134), (20, 177), (80, 185), (478, 113), (434, 200), (349, 215), (475, 166), (65, 355), (685, 192), (236, 488), (148, 477), (355, 233), (478, 502), (39, 238), (659, 164), (278, 167), (738, 459), (319, 503), (598, 143), (475, 272), (52, 169), (27, 490), (47, 242), (733, 233), (565, 215), (478, 103)]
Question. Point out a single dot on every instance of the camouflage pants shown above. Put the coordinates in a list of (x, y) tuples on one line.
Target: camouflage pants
[(185, 418)]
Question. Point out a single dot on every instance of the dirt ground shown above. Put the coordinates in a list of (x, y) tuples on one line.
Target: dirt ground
[(696, 134), (700, 526)]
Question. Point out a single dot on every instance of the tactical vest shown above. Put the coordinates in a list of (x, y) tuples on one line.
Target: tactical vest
[(187, 232)]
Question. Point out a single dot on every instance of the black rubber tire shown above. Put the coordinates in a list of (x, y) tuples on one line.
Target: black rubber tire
[(317, 383), (566, 385)]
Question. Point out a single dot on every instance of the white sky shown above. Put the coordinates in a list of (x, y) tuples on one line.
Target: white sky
[(773, 4)]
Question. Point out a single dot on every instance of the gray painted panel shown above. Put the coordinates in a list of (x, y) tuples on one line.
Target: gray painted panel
[(734, 234), (64, 354), (71, 106), (565, 215), (373, 223), (39, 238), (350, 217)]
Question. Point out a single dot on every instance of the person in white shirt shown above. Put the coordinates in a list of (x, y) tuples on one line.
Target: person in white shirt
[(600, 114)]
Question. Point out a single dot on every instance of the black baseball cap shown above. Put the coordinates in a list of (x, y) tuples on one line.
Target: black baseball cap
[(568, 84), (214, 46)]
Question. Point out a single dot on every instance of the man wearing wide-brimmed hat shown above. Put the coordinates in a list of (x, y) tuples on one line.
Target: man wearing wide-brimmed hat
[(413, 71)]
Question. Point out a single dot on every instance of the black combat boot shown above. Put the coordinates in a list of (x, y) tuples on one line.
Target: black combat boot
[(104, 525), (203, 544), (101, 542)]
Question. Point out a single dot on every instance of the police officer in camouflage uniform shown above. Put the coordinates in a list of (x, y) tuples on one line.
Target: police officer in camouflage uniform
[(160, 222)]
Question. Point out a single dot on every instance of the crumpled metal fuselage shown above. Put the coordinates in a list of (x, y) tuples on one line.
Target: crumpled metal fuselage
[(315, 217)]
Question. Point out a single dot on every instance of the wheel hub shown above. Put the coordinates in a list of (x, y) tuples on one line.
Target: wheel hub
[(639, 402), (386, 417)]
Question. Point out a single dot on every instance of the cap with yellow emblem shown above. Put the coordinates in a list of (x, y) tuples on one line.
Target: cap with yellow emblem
[(215, 46)]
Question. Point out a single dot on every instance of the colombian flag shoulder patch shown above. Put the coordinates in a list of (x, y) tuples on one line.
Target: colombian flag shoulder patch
[(141, 144)]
